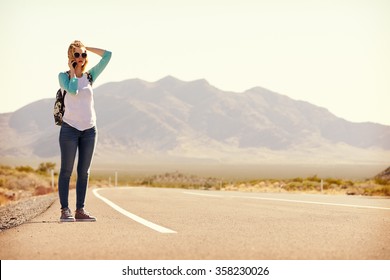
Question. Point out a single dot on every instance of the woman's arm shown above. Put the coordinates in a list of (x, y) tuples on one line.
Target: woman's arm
[(68, 84), (97, 51), (98, 68)]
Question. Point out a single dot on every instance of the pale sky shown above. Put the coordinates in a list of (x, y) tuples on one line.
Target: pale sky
[(334, 54)]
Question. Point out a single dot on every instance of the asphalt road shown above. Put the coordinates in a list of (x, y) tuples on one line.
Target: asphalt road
[(149, 223)]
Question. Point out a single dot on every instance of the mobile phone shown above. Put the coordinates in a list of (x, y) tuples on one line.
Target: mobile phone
[(74, 64)]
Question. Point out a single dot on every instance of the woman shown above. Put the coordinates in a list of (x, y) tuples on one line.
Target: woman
[(78, 130)]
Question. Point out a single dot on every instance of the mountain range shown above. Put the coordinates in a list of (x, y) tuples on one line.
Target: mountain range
[(174, 120)]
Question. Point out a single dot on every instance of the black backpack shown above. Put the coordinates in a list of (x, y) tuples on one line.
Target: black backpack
[(59, 104)]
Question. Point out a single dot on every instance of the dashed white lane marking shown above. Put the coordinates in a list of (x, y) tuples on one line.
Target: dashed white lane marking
[(293, 201), (315, 202), (202, 194), (132, 216)]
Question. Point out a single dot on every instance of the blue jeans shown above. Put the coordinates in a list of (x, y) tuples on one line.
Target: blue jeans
[(72, 140)]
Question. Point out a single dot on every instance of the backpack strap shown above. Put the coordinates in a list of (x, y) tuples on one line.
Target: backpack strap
[(89, 76), (63, 90)]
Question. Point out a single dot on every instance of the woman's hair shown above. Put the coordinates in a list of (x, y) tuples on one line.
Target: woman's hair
[(72, 46)]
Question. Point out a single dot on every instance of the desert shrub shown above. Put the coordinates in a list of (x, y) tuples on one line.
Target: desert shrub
[(381, 181), (6, 170), (45, 167), (334, 181), (331, 186), (254, 182), (20, 182), (292, 186), (26, 182), (5, 167), (377, 190), (179, 180), (24, 169), (298, 179), (313, 178), (309, 185)]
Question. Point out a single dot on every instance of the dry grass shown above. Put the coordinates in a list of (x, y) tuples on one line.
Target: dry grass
[(179, 180), (310, 184), (22, 182)]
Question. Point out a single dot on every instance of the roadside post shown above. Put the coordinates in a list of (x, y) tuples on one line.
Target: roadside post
[(52, 179)]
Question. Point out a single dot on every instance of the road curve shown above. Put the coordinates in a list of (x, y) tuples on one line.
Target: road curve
[(151, 223)]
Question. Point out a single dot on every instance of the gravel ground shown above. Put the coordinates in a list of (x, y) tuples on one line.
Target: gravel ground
[(17, 213)]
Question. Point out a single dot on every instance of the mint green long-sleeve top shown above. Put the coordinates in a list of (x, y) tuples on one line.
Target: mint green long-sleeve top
[(79, 102)]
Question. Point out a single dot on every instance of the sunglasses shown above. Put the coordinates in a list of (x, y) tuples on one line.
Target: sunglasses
[(77, 55)]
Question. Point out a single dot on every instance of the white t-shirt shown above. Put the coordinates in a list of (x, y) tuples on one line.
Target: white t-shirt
[(79, 107)]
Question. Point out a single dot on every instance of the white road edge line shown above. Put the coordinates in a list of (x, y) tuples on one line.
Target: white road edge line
[(133, 216), (314, 202)]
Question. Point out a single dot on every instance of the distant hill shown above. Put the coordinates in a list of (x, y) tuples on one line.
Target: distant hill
[(384, 176), (175, 120)]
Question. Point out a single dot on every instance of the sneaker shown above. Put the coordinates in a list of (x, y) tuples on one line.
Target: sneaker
[(83, 216), (66, 215)]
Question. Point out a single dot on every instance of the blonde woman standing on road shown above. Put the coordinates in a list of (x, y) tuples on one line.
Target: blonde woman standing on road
[(78, 130)]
